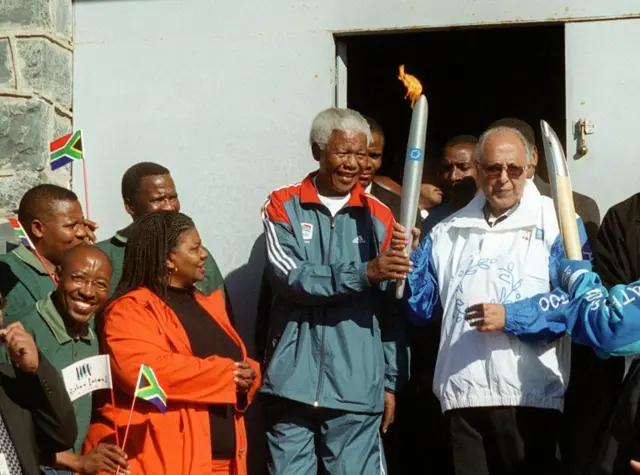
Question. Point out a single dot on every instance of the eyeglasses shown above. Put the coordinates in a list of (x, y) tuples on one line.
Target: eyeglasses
[(495, 171)]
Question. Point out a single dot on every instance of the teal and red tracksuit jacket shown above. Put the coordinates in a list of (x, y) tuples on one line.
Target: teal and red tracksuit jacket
[(335, 340)]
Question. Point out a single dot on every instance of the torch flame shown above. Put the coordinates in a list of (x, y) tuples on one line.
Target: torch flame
[(414, 87)]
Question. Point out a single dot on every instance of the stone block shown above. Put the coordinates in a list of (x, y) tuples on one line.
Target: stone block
[(63, 14), (22, 15), (61, 125), (46, 68), (6, 65), (60, 177), (24, 141), (13, 188)]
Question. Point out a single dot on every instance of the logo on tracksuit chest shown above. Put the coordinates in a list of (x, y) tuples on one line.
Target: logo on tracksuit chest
[(307, 231)]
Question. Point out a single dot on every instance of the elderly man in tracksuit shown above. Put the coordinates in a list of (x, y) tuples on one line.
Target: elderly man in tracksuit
[(336, 352), (500, 380)]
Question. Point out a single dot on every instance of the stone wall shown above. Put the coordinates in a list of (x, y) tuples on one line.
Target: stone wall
[(36, 100)]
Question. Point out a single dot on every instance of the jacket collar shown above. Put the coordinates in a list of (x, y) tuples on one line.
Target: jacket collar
[(169, 322), (525, 215), (29, 258), (49, 313), (309, 193), (121, 237)]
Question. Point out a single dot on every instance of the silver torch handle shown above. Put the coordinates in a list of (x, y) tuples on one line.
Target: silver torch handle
[(412, 180)]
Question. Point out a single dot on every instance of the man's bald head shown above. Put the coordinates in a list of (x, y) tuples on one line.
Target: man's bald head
[(84, 275), (527, 132), (84, 251)]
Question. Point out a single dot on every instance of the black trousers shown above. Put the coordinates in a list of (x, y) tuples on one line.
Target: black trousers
[(505, 441)]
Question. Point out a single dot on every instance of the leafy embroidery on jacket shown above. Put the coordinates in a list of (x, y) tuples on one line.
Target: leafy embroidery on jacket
[(509, 291)]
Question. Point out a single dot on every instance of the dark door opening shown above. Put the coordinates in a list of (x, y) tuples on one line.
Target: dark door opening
[(471, 77)]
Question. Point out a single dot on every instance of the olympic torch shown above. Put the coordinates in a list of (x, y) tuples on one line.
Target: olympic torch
[(562, 192), (414, 160)]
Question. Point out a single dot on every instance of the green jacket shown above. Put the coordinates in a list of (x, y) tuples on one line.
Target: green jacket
[(115, 247), (334, 340), (46, 326), (23, 282)]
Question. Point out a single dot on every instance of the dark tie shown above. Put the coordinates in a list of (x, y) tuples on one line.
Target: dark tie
[(8, 449)]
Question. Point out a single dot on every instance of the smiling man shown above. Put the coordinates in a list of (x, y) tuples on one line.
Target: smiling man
[(62, 326), (336, 353), (500, 376)]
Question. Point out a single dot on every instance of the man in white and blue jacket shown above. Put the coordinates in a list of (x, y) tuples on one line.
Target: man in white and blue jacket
[(501, 391), (336, 350)]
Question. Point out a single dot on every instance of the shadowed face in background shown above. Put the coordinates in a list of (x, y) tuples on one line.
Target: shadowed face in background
[(502, 171), (430, 192), (155, 193), (459, 171), (341, 162), (374, 159)]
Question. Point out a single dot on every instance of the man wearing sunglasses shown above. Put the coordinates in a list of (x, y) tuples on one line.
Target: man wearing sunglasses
[(500, 378)]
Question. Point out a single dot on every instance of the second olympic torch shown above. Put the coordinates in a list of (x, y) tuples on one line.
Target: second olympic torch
[(562, 192), (414, 161)]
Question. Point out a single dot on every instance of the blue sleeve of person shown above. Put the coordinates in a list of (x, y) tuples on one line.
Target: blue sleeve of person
[(608, 321), (423, 296), (542, 319)]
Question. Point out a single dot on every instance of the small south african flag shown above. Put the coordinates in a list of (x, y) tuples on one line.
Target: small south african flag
[(149, 389), (66, 149), (20, 233)]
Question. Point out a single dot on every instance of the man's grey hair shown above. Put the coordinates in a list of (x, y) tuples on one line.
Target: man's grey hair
[(346, 120), (488, 133)]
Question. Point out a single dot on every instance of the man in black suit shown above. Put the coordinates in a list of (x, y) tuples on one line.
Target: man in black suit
[(36, 415)]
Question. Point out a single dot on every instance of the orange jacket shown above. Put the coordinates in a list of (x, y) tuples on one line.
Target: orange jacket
[(139, 328)]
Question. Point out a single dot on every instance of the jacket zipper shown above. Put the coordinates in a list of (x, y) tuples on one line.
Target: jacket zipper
[(324, 327)]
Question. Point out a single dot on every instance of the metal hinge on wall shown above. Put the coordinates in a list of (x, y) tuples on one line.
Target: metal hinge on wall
[(581, 129)]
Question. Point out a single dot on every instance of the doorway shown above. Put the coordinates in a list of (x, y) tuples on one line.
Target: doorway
[(471, 77)]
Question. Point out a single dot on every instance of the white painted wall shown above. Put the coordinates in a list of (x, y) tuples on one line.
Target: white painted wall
[(603, 88), (223, 92)]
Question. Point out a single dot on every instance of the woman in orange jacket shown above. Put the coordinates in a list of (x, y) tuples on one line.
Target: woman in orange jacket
[(157, 318)]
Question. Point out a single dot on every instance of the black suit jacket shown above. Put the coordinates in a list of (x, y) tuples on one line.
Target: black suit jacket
[(37, 412), (586, 208), (618, 248), (393, 201)]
